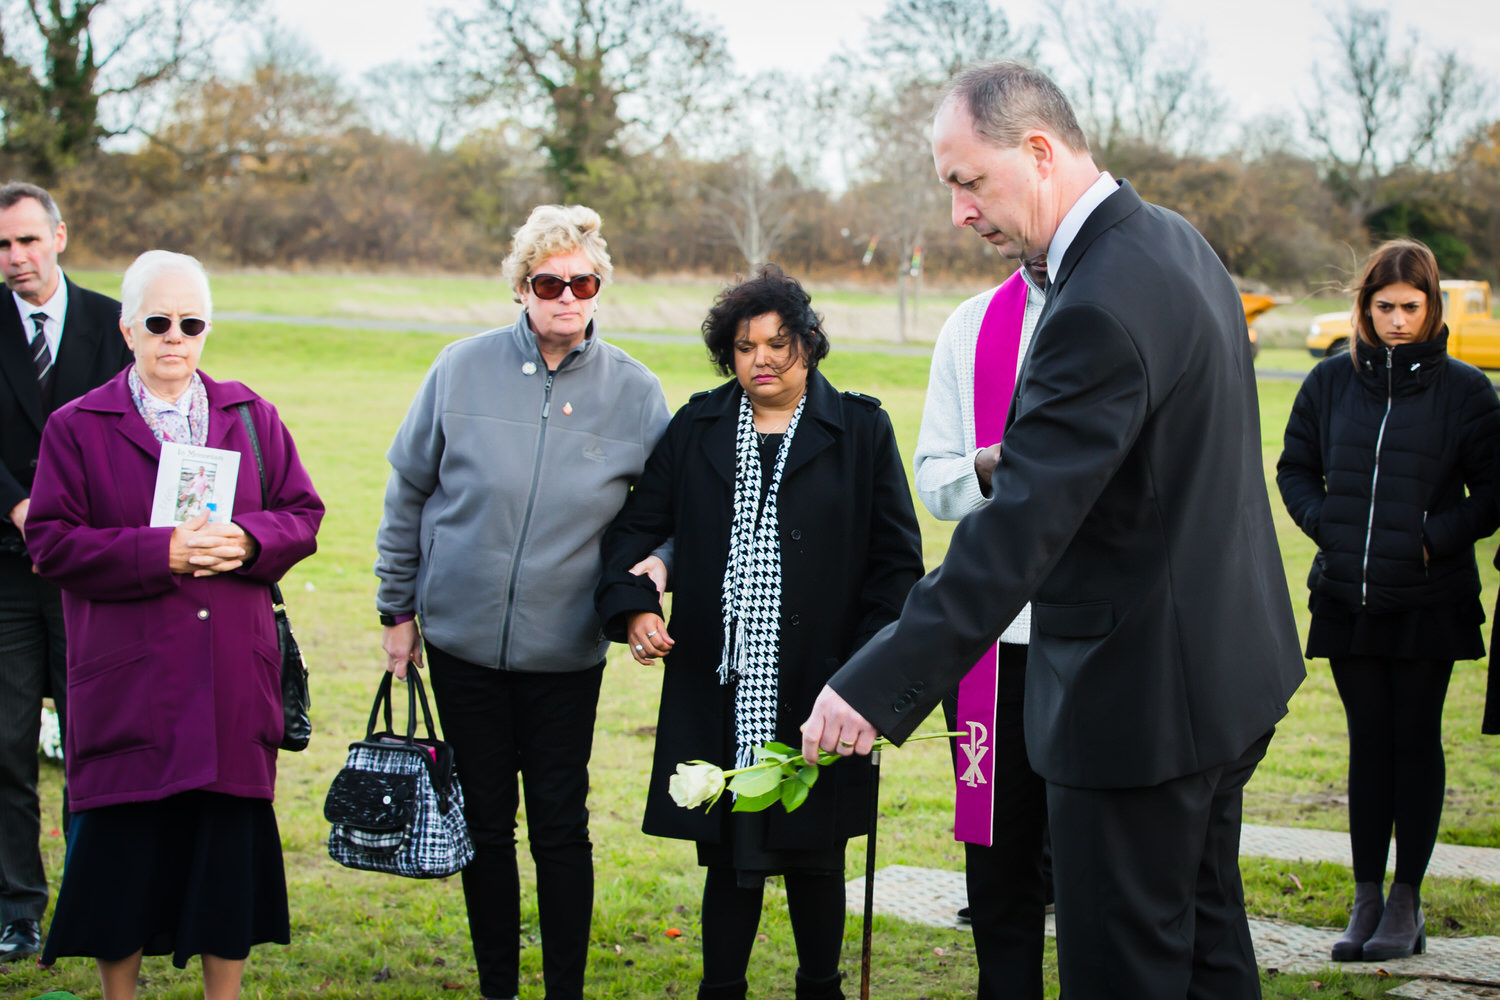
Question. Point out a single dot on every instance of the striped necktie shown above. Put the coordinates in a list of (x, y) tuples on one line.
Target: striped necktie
[(41, 354)]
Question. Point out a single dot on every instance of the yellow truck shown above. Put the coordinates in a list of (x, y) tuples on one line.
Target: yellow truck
[(1473, 333), (1256, 306)]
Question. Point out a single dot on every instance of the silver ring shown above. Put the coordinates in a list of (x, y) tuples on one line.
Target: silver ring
[(650, 633), (639, 648)]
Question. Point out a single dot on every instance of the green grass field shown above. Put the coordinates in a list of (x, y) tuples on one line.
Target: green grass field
[(342, 393)]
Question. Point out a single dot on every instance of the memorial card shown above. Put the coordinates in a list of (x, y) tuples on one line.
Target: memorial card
[(191, 480)]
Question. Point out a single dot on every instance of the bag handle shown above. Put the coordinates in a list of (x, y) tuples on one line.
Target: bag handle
[(414, 690), (278, 604)]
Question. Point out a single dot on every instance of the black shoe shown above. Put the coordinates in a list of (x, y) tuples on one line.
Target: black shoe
[(1364, 918), (1402, 930), (21, 938), (964, 916), (819, 989), (723, 991)]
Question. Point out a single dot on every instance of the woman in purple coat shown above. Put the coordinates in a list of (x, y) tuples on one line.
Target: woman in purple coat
[(173, 668)]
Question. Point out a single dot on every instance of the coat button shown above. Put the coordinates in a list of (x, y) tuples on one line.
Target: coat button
[(902, 704), (796, 534), (795, 620), (203, 614)]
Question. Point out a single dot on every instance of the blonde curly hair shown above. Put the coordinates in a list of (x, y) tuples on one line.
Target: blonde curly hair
[(551, 230)]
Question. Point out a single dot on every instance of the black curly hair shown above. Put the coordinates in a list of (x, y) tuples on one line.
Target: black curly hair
[(768, 290)]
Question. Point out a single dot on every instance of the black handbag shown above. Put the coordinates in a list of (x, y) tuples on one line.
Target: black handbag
[(397, 806), (295, 696)]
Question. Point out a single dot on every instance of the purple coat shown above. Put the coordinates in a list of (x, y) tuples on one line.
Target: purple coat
[(173, 681)]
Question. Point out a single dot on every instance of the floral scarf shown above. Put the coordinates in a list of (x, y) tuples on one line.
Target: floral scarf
[(169, 425)]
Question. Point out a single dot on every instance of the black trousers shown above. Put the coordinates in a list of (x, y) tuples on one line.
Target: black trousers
[(1149, 900), (1007, 881), (33, 663), (541, 726), (1396, 769)]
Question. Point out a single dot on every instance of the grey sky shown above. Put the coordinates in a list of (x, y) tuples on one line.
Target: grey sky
[(1259, 52)]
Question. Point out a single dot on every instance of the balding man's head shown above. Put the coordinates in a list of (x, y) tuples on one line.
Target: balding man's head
[(1006, 100)]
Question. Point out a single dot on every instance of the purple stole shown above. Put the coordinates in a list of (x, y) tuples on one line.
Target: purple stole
[(995, 362)]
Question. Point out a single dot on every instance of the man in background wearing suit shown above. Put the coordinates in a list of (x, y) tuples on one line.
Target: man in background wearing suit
[(57, 341), (1130, 506)]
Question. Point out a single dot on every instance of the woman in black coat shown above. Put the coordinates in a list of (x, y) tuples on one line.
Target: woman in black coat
[(797, 539), (1379, 451)]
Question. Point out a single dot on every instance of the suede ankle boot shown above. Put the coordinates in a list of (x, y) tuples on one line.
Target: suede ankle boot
[(1402, 930), (819, 989), (1363, 919), (723, 991)]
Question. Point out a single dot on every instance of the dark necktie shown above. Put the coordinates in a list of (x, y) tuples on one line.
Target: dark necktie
[(41, 355)]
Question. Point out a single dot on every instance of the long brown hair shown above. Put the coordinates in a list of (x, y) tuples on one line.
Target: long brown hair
[(1395, 262)]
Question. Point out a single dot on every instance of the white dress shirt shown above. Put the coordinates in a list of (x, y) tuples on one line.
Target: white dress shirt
[(1067, 230), (56, 309)]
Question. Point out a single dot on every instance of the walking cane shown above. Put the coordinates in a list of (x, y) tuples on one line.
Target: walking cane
[(864, 955)]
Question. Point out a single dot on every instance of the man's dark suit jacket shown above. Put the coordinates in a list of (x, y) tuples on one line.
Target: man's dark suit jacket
[(91, 352), (1130, 507)]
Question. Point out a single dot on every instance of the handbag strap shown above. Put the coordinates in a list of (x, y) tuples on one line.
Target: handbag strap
[(414, 690), (278, 605)]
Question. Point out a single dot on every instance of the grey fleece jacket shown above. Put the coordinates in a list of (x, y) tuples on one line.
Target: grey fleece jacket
[(503, 479)]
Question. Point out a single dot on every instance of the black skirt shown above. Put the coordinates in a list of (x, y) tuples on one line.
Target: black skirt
[(199, 873), (742, 837)]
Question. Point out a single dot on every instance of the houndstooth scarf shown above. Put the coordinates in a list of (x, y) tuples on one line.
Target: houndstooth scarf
[(752, 591)]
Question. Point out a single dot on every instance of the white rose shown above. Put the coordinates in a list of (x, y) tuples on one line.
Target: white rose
[(695, 784), (50, 738)]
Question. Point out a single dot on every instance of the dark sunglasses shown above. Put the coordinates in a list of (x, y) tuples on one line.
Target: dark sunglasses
[(191, 326), (550, 286)]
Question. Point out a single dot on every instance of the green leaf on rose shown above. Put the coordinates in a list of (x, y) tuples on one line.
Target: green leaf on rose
[(774, 749), (756, 783), (807, 774), (793, 794), (755, 803)]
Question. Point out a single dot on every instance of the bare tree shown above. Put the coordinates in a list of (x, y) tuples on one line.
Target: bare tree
[(1135, 84), (75, 73), (408, 101), (285, 113), (915, 48), (1379, 111), (606, 73), (749, 199), (762, 143), (932, 40)]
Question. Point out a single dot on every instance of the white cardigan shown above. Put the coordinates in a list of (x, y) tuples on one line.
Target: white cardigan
[(946, 444)]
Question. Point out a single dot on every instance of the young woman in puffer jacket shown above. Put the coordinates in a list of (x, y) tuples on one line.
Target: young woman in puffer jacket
[(1391, 464)]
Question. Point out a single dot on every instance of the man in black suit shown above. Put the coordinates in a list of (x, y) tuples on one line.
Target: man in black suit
[(1130, 506), (57, 341)]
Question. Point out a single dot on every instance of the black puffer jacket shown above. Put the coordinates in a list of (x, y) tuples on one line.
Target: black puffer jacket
[(1373, 469)]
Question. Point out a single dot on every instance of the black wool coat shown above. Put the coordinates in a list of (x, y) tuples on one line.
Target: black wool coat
[(850, 551), (1375, 467)]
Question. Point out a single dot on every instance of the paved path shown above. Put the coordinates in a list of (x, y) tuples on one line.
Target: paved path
[(1453, 968), (1295, 844), (464, 329), (920, 350)]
